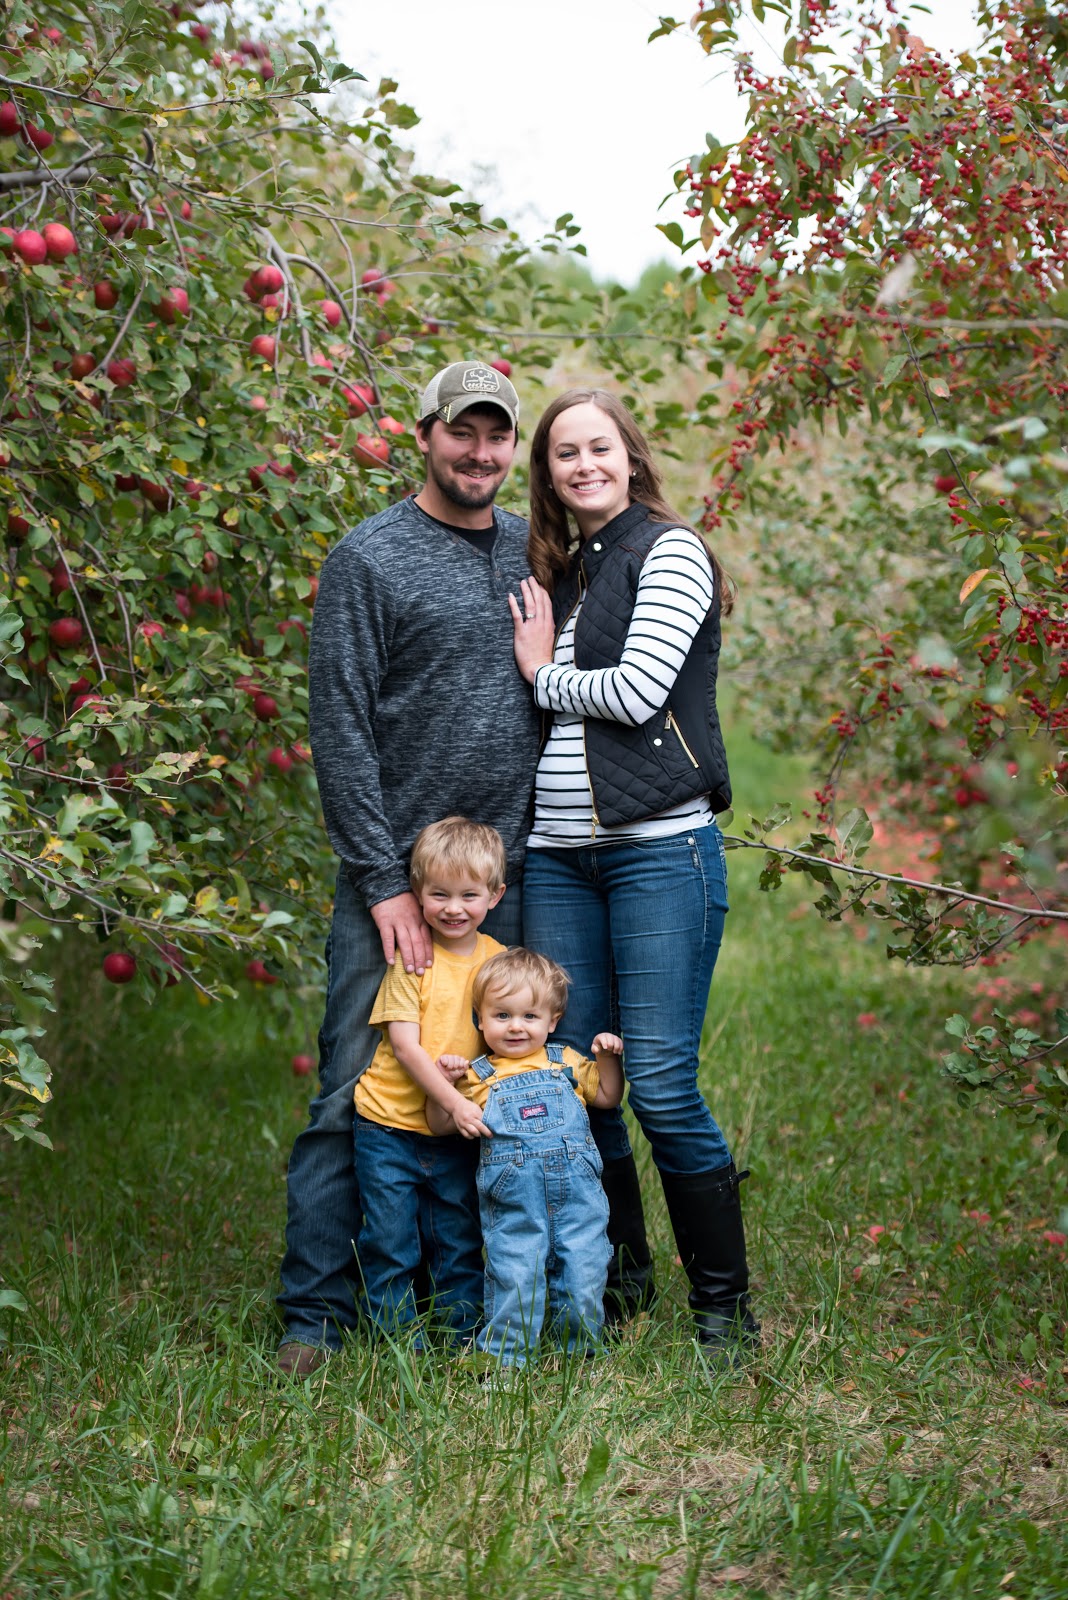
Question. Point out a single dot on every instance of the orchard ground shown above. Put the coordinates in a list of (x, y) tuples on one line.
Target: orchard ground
[(902, 1434)]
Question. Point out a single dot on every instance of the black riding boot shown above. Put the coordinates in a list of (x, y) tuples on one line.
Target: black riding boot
[(630, 1272), (706, 1217)]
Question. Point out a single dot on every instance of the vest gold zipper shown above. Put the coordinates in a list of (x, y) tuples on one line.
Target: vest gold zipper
[(669, 722)]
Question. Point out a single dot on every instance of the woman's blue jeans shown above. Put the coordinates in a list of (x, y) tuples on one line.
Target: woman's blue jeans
[(638, 926)]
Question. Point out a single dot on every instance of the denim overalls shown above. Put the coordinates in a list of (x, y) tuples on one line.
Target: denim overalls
[(544, 1213)]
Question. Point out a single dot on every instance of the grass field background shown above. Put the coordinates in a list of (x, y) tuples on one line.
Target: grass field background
[(902, 1434)]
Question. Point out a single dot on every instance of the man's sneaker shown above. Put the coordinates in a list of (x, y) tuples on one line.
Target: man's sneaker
[(298, 1361)]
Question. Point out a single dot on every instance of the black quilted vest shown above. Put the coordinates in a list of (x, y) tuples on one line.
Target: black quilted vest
[(678, 754)]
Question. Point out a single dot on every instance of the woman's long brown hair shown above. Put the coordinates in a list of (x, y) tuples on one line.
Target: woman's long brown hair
[(552, 541)]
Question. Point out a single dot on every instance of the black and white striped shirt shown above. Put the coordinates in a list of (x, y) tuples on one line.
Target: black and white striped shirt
[(675, 591)]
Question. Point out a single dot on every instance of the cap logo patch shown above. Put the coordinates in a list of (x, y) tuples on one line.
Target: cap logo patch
[(481, 380)]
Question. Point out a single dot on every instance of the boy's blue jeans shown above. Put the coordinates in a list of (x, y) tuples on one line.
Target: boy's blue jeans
[(319, 1271), (544, 1219), (419, 1201), (638, 927)]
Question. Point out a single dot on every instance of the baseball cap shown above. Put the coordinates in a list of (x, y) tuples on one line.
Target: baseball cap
[(468, 383)]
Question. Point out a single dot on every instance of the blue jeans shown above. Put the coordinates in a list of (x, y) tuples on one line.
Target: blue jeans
[(544, 1218), (320, 1274), (638, 927), (419, 1201)]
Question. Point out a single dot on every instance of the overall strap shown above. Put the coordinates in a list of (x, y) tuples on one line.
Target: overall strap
[(555, 1053), (483, 1068)]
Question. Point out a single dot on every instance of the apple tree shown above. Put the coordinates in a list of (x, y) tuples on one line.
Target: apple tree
[(886, 246), (221, 283)]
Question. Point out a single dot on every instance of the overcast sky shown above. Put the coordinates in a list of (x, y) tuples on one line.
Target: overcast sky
[(544, 106)]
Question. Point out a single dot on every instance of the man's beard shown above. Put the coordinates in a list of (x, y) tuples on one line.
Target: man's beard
[(467, 499)]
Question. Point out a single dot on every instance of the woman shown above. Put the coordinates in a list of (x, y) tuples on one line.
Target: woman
[(625, 879)]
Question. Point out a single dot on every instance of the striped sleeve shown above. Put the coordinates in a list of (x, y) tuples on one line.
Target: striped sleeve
[(675, 592)]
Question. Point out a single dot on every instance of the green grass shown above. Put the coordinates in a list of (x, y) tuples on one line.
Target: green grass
[(882, 1445)]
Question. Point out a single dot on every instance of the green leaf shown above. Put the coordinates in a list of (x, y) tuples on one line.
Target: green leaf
[(594, 1472)]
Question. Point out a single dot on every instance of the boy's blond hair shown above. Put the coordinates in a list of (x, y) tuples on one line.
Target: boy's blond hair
[(517, 968), (453, 846)]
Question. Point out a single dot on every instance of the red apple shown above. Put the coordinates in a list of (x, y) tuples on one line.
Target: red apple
[(105, 296), (264, 347), (390, 425), (257, 972), (87, 702), (17, 527), (332, 313), (30, 245), (37, 751), (302, 1065), (66, 632), (183, 604), (268, 279), (173, 305), (289, 624), (59, 241), (157, 494), (502, 366), (370, 450), (40, 138), (266, 71), (373, 275), (122, 372), (125, 482), (9, 119), (119, 966), (360, 398), (280, 759), (112, 221), (82, 365), (258, 403), (201, 31), (151, 630), (173, 960), (312, 594), (319, 360), (60, 578), (946, 482), (266, 707), (118, 778), (186, 211)]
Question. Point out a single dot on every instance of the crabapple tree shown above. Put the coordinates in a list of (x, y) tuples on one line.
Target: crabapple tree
[(886, 247)]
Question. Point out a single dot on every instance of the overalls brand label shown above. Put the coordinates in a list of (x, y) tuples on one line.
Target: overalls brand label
[(526, 1112)]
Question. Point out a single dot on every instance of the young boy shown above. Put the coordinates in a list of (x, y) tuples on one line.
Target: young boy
[(417, 1190), (544, 1212)]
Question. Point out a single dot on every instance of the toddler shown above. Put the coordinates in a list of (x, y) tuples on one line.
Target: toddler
[(544, 1212)]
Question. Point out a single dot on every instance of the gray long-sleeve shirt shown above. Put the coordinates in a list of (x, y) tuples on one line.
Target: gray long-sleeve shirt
[(416, 706)]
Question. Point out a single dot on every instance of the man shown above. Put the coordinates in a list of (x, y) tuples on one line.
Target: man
[(417, 711)]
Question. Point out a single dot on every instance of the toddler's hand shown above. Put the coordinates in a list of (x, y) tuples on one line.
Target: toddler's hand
[(609, 1044), (454, 1067), (468, 1120)]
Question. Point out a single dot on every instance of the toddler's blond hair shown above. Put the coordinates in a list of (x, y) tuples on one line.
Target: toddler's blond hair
[(517, 968), (454, 846)]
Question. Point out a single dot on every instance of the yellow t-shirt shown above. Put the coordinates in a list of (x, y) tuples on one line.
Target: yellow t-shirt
[(587, 1078), (440, 1002)]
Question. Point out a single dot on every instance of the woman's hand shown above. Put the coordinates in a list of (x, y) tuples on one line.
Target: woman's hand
[(535, 631)]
